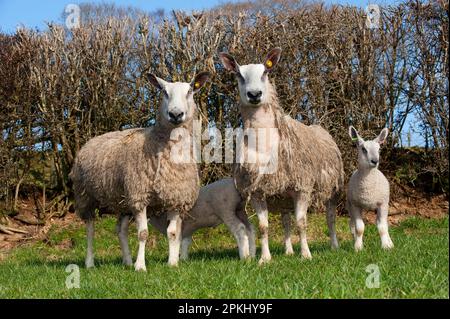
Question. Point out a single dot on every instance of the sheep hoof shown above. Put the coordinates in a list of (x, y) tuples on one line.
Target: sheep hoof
[(173, 263), (358, 248), (140, 267), (90, 264), (127, 262), (289, 252), (388, 245), (264, 260), (307, 255)]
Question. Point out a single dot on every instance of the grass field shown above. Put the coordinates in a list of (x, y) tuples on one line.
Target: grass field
[(418, 267)]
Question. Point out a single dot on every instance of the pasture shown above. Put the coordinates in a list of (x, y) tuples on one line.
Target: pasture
[(417, 267)]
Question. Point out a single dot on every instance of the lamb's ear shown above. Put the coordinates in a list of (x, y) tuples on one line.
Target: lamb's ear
[(380, 139), (156, 81), (229, 62), (272, 58), (200, 80), (354, 135)]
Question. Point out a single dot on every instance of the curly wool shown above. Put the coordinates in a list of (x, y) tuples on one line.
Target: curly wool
[(126, 171), (309, 161)]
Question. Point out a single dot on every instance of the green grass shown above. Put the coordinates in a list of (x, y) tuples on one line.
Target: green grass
[(418, 267)]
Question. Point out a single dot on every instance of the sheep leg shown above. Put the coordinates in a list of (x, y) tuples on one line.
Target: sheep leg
[(236, 223), (141, 222), (286, 219), (251, 240), (301, 208), (122, 232), (174, 237), (185, 244), (382, 225), (331, 222), (358, 222), (90, 243), (260, 207)]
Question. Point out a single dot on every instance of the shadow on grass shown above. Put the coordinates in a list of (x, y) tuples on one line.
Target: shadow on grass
[(277, 251)]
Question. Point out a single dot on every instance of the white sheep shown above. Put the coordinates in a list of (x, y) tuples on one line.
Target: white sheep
[(133, 171), (298, 161), (217, 203), (368, 189)]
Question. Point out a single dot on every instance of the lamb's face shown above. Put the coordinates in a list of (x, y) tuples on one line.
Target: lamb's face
[(252, 79), (368, 154), (178, 104), (368, 151)]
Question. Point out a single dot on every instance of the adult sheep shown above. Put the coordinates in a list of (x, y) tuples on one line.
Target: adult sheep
[(298, 161), (133, 170)]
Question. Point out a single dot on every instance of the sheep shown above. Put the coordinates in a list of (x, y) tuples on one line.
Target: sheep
[(133, 171), (368, 189), (217, 203), (308, 164)]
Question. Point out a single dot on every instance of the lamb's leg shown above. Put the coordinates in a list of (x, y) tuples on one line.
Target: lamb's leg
[(286, 219), (382, 225), (185, 244), (141, 223), (251, 240), (331, 222), (301, 208), (174, 236), (90, 243), (122, 232), (355, 213), (233, 220), (260, 207)]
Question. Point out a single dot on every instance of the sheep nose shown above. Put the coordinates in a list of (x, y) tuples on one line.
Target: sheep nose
[(176, 117), (374, 162), (254, 97)]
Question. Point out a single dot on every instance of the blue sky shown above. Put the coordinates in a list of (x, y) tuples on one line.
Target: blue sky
[(33, 14)]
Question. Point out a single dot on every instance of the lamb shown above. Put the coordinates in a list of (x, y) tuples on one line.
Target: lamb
[(132, 171), (298, 161), (217, 203), (368, 189)]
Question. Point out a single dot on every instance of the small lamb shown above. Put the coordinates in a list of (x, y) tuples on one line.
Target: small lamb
[(368, 189), (217, 203)]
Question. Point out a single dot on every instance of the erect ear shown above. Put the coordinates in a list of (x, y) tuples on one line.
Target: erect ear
[(156, 81), (380, 139), (200, 80), (354, 135), (229, 62), (272, 59)]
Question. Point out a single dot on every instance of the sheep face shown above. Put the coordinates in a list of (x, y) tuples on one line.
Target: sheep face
[(368, 151), (253, 79), (178, 104)]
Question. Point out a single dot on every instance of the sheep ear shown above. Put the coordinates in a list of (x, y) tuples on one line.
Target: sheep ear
[(380, 139), (156, 81), (272, 58), (354, 135), (200, 80), (229, 62)]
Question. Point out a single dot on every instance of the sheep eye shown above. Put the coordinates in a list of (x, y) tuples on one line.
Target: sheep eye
[(240, 77), (364, 150), (165, 93)]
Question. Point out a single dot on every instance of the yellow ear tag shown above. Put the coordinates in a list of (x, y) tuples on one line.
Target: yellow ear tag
[(196, 85), (269, 63)]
